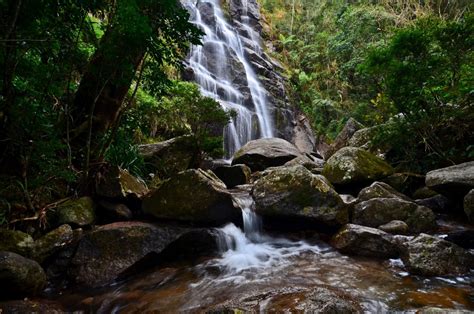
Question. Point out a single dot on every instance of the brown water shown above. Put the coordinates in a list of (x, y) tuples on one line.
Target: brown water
[(377, 285)]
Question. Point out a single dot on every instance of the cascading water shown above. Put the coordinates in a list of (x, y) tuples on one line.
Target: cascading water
[(221, 68)]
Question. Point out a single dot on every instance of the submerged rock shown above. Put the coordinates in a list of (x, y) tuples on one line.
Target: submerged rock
[(172, 156), (19, 276), (294, 192), (354, 165), (455, 181), (379, 211), (117, 183), (15, 241), (365, 241), (193, 196), (110, 249), (76, 212), (266, 152), (430, 256), (233, 175), (52, 242)]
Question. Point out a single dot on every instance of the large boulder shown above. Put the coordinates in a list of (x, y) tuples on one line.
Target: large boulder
[(76, 212), (117, 183), (110, 249), (380, 190), (313, 164), (342, 139), (19, 276), (193, 196), (379, 211), (365, 241), (297, 193), (266, 152), (430, 256), (233, 175), (438, 204), (16, 241), (469, 205), (455, 181), (171, 156), (352, 165), (55, 240)]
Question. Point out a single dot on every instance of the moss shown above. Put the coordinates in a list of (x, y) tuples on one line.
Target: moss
[(79, 212), (16, 242)]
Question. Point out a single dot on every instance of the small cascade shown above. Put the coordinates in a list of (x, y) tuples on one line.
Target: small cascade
[(221, 68)]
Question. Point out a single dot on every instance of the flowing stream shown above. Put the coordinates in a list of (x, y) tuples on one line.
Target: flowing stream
[(252, 264), (222, 70)]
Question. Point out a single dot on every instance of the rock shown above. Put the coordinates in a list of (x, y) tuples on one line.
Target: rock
[(291, 300), (438, 204), (440, 310), (303, 135), (110, 249), (379, 211), (469, 205), (19, 276), (76, 212), (15, 241), (51, 243), (463, 238), (342, 139), (365, 241), (171, 156), (380, 190), (405, 182), (28, 306), (430, 256), (112, 212), (193, 196), (266, 152), (295, 192), (312, 164), (455, 181), (233, 175), (351, 165), (117, 183), (395, 227), (424, 192)]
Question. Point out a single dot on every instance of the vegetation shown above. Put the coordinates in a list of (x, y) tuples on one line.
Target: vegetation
[(407, 62)]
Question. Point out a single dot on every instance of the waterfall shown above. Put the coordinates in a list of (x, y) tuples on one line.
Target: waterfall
[(221, 67)]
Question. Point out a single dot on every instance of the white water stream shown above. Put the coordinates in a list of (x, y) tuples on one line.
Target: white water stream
[(218, 65)]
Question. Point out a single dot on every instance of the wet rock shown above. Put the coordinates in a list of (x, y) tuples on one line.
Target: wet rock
[(379, 211), (438, 204), (351, 165), (171, 156), (380, 190), (264, 153), (291, 300), (49, 244), (29, 306), (463, 238), (117, 183), (455, 181), (364, 241), (15, 241), (110, 249), (469, 205), (342, 139), (19, 276), (233, 175), (430, 256), (76, 212), (395, 227), (193, 196), (296, 192), (112, 212)]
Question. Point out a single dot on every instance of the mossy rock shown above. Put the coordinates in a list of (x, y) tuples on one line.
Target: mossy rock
[(16, 242), (193, 196), (351, 165), (76, 212), (46, 246), (296, 192)]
